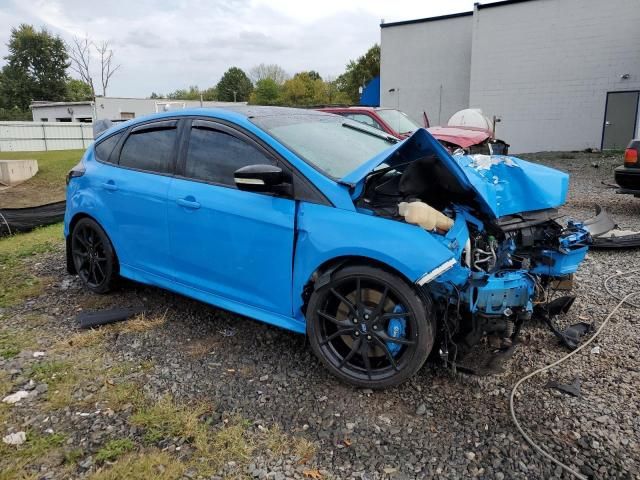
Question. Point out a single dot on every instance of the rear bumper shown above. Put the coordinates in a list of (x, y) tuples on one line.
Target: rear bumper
[(629, 179)]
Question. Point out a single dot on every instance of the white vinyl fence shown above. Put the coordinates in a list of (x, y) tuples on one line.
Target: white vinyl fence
[(42, 136)]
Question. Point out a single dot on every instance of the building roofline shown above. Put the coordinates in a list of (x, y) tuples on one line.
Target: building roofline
[(481, 6), (478, 5), (43, 103), (428, 19)]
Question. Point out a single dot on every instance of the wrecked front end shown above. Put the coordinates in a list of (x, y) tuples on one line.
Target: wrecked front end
[(498, 216)]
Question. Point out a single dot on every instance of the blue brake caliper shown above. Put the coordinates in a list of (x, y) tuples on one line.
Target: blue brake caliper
[(396, 329)]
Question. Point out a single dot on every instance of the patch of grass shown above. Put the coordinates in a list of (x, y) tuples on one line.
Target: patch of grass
[(64, 377), (215, 447), (14, 459), (167, 419), (114, 449), (5, 383), (13, 342), (278, 443), (153, 464), (83, 339), (304, 449), (119, 395), (48, 185), (16, 281), (73, 456), (142, 323)]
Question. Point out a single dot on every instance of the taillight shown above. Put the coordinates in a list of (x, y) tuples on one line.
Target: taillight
[(76, 171), (630, 157)]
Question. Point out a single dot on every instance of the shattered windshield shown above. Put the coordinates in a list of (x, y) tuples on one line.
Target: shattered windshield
[(398, 121), (331, 143)]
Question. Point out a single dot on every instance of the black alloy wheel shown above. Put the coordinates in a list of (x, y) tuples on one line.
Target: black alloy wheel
[(369, 327), (93, 256)]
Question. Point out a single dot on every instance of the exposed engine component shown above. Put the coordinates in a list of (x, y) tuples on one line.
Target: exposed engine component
[(504, 264)]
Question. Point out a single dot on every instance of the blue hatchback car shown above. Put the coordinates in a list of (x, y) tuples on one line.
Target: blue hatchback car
[(376, 249)]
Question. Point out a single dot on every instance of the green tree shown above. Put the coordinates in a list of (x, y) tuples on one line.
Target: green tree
[(313, 75), (192, 93), (210, 94), (36, 68), (234, 86), (77, 91), (359, 72), (267, 92), (304, 89)]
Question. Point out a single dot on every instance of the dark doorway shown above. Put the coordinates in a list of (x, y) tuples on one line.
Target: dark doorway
[(620, 117)]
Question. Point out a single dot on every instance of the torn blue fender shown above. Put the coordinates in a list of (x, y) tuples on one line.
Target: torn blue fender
[(503, 185)]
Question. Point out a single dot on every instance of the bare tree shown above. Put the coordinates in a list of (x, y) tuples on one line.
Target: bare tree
[(81, 54), (272, 71), (106, 63)]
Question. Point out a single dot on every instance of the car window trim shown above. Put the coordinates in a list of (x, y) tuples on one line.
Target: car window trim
[(158, 125), (244, 135)]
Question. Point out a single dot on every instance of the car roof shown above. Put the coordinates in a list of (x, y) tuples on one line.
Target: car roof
[(353, 107), (237, 113)]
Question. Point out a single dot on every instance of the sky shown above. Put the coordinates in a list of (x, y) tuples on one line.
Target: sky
[(165, 45)]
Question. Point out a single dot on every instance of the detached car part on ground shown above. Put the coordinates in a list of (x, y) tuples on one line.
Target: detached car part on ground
[(321, 225)]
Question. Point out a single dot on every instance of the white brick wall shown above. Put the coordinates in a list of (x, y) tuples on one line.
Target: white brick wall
[(418, 58), (545, 66)]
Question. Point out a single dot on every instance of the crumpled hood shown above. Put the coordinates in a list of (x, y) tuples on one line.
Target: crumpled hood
[(502, 185), (511, 185)]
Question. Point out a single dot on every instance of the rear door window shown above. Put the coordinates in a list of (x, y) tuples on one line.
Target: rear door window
[(150, 148), (105, 147), (214, 155)]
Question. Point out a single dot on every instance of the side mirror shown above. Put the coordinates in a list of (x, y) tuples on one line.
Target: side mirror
[(262, 178)]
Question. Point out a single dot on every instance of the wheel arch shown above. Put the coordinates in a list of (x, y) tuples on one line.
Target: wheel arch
[(72, 223), (322, 274)]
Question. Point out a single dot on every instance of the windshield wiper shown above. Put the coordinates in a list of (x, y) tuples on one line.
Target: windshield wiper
[(387, 138)]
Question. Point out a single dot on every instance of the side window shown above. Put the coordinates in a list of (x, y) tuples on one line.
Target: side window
[(149, 149), (366, 119), (214, 156), (105, 147)]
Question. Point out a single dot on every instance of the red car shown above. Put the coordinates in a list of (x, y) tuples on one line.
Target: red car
[(398, 124)]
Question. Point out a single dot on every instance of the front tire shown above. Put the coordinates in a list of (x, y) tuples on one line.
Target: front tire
[(93, 256), (369, 327)]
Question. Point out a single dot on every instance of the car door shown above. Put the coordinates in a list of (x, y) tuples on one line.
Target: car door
[(226, 242), (135, 193)]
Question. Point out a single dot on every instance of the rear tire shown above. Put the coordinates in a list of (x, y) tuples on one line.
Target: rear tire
[(369, 327), (93, 256)]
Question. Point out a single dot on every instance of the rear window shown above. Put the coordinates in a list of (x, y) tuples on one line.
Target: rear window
[(331, 143), (149, 150)]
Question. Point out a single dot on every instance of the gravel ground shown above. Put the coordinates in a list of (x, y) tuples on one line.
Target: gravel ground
[(438, 425)]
